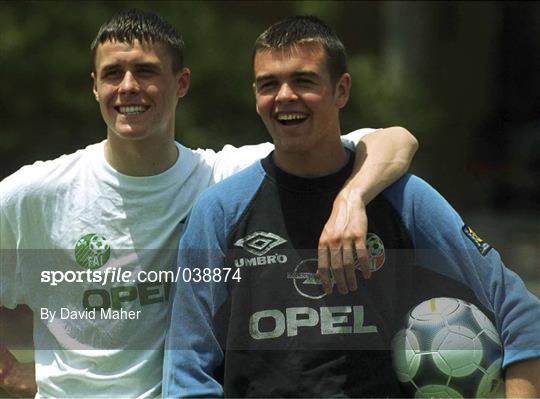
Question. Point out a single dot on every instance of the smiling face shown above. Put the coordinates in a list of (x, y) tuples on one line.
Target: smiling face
[(296, 99), (137, 89)]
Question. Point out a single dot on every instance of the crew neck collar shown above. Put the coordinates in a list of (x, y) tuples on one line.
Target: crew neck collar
[(112, 177), (296, 183)]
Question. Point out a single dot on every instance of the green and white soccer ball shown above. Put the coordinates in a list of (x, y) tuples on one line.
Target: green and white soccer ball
[(448, 349), (98, 245)]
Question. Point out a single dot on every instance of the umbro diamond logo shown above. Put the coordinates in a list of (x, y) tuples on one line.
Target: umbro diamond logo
[(260, 242)]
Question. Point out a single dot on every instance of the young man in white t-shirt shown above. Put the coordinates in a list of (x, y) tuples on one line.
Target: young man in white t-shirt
[(85, 237)]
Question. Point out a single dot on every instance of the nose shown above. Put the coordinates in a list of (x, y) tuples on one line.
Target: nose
[(129, 84), (286, 93)]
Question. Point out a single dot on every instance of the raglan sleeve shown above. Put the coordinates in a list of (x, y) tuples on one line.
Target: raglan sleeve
[(231, 160), (444, 242), (192, 351)]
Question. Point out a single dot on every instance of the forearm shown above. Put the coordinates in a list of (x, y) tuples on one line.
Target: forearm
[(382, 157), (6, 358), (17, 379), (523, 379), (6, 363)]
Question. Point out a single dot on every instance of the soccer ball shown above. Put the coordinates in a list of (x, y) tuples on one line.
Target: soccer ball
[(449, 349), (98, 245)]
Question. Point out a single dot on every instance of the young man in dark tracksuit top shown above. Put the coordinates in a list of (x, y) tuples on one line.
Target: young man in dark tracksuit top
[(251, 318)]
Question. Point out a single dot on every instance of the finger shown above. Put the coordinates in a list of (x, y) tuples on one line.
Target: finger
[(348, 267), (336, 262), (323, 270), (363, 260)]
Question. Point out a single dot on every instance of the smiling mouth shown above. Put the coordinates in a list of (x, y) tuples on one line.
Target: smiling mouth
[(293, 118), (131, 109)]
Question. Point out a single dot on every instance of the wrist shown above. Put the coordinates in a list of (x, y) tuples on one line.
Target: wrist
[(355, 192)]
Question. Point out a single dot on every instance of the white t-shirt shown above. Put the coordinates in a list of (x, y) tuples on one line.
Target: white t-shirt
[(76, 219)]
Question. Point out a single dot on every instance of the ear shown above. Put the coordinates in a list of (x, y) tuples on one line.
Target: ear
[(342, 90), (183, 79), (94, 86)]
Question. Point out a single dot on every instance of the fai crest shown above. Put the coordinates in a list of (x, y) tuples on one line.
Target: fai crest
[(92, 251), (375, 251)]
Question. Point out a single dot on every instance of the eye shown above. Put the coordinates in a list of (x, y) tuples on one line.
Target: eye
[(266, 86), (305, 81), (111, 74), (145, 72)]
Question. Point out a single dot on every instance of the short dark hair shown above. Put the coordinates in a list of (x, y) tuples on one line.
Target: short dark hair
[(133, 24), (299, 29)]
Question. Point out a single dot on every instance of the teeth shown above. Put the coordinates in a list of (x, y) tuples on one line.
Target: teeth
[(132, 109), (291, 117)]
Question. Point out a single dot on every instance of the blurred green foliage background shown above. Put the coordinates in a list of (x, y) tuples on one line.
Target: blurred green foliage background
[(464, 77)]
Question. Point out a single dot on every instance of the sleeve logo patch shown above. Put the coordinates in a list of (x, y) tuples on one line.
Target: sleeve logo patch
[(482, 246)]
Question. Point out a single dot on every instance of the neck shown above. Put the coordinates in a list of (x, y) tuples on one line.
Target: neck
[(315, 163), (140, 157)]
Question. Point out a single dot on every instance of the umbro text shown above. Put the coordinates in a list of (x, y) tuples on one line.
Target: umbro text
[(261, 260)]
